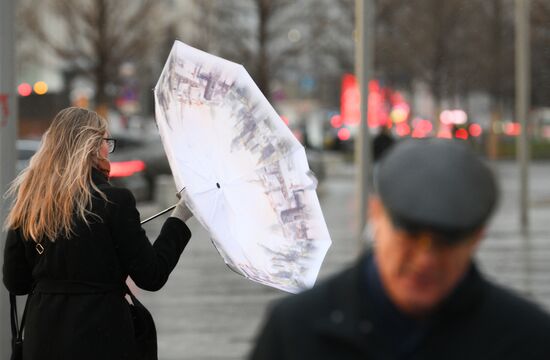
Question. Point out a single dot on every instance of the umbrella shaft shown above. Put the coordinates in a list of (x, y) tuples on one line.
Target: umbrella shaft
[(158, 214)]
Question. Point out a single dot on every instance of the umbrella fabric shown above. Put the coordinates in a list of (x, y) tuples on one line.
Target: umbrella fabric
[(246, 177)]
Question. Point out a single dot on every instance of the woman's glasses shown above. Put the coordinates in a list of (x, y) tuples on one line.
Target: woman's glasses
[(111, 143)]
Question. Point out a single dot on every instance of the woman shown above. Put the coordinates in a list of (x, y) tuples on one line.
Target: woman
[(72, 241)]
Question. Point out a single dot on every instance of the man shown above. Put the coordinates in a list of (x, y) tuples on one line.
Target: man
[(381, 143), (417, 293)]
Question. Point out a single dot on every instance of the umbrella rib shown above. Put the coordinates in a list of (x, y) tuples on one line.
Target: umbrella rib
[(214, 208), (194, 171), (232, 231), (204, 191), (229, 223), (218, 158), (218, 108)]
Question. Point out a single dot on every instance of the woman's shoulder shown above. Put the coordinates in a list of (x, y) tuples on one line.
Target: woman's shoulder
[(117, 195)]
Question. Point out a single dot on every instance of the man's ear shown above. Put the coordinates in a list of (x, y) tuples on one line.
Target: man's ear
[(477, 236)]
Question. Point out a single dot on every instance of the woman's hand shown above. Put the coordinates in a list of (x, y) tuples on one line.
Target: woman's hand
[(181, 211)]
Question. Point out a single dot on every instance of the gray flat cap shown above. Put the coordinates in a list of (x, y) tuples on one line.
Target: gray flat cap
[(438, 185)]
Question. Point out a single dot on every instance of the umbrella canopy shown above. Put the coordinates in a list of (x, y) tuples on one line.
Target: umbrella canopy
[(246, 177)]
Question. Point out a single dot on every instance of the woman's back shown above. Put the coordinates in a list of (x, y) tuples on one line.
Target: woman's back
[(78, 307), (73, 239)]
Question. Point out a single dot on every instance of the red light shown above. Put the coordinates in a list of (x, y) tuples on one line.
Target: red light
[(461, 134), (336, 121), (374, 86), (475, 130), (126, 168), (350, 100), (379, 104), (512, 129), (343, 134), (24, 89), (377, 112), (422, 128), (445, 132), (397, 98), (285, 119), (402, 129)]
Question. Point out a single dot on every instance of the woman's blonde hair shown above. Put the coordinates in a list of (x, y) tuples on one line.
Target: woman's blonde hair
[(56, 184)]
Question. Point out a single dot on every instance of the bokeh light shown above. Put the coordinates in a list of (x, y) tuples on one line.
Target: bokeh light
[(512, 129), (422, 128), (40, 87), (402, 129), (400, 112), (475, 130), (450, 117), (294, 35), (24, 89), (344, 134), (285, 119), (336, 121), (461, 134)]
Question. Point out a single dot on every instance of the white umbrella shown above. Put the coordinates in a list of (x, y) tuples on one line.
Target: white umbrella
[(246, 177)]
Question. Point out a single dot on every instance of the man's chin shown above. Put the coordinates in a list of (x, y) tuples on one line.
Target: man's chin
[(419, 301), (416, 307)]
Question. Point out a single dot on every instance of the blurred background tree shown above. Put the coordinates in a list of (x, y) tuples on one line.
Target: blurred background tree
[(540, 45), (453, 49), (95, 38), (273, 39)]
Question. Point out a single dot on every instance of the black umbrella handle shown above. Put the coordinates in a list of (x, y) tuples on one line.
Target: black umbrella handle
[(158, 214)]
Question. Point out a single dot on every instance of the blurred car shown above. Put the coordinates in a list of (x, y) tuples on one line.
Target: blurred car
[(137, 162), (126, 170)]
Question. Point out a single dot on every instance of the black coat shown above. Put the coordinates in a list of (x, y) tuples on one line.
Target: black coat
[(85, 325), (338, 320)]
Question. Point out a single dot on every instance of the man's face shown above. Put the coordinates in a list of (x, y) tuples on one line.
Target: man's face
[(416, 271)]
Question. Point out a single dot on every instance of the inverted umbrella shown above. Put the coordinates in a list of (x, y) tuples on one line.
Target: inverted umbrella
[(243, 174)]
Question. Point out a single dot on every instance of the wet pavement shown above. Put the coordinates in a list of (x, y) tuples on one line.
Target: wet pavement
[(509, 257), (206, 311)]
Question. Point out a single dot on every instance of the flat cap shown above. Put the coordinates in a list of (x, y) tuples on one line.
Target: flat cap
[(436, 184)]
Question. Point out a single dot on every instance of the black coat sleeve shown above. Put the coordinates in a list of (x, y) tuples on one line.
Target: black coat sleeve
[(269, 343), (17, 273), (149, 265)]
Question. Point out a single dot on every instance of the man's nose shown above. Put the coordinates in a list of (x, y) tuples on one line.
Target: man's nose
[(425, 242), (426, 252)]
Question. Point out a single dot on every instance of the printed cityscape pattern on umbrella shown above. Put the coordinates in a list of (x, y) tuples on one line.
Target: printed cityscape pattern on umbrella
[(289, 245)]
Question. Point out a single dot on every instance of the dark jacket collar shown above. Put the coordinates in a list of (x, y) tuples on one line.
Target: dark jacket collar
[(352, 319), (464, 297), (98, 177), (349, 316)]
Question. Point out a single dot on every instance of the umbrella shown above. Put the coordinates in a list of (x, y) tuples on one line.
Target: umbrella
[(240, 169)]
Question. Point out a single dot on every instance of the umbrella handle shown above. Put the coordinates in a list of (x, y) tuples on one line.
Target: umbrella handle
[(178, 195), (158, 214)]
